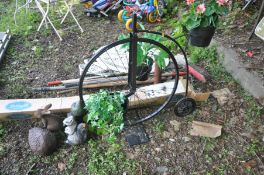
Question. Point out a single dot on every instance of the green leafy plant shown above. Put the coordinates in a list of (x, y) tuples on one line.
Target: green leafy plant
[(105, 113), (197, 54), (146, 51), (204, 13)]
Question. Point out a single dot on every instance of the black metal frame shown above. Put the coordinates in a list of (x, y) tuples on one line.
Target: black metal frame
[(133, 40)]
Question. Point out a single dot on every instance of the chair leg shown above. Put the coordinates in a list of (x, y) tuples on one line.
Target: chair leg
[(44, 14), (46, 18), (69, 11)]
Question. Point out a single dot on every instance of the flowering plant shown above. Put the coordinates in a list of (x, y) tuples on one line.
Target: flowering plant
[(204, 13)]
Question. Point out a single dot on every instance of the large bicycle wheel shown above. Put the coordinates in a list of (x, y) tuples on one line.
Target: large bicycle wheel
[(108, 69)]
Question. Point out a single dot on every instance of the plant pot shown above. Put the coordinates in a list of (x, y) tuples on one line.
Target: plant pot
[(143, 72), (201, 36)]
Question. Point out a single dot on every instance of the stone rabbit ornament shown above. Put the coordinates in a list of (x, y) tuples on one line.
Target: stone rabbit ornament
[(50, 121)]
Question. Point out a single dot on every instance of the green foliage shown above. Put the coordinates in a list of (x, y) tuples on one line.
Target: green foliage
[(105, 113), (198, 53), (192, 18), (26, 21), (71, 161), (110, 159), (172, 7), (159, 126), (146, 51), (255, 147), (210, 56), (37, 51), (178, 34), (2, 131)]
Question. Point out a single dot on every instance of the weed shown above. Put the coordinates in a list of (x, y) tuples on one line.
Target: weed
[(159, 126), (109, 159), (2, 131), (71, 162), (37, 51), (210, 144), (197, 54), (221, 170), (254, 147), (208, 159)]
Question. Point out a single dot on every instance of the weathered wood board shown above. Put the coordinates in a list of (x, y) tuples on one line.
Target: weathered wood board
[(259, 31), (25, 108)]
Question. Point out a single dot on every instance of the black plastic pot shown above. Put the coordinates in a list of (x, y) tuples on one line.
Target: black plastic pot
[(143, 72), (201, 36)]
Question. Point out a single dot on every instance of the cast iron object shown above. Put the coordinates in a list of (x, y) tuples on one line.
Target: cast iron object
[(184, 107), (201, 36)]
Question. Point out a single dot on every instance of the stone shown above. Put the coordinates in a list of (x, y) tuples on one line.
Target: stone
[(166, 135), (42, 141), (172, 140), (157, 159), (175, 124), (161, 170), (186, 139), (223, 95), (172, 132), (158, 149), (205, 129)]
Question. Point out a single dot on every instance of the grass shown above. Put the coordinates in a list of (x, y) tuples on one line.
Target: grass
[(26, 20), (109, 159)]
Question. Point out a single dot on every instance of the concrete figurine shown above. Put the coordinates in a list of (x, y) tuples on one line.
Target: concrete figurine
[(76, 134)]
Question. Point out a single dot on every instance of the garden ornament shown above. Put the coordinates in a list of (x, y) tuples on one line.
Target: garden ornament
[(76, 134), (79, 136), (50, 121), (42, 141)]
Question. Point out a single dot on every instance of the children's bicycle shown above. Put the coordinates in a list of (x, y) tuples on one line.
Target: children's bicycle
[(101, 7), (152, 9), (115, 68)]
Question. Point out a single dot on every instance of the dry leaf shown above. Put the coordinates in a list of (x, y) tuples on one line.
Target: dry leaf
[(250, 164)]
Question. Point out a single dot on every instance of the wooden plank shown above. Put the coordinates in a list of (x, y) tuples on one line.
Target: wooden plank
[(25, 108)]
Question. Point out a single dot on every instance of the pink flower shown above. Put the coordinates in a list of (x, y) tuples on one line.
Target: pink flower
[(221, 2), (189, 2), (200, 8)]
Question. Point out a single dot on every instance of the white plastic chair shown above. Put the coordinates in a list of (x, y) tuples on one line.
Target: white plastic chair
[(46, 19)]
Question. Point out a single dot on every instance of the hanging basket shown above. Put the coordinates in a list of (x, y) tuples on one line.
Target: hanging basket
[(201, 36)]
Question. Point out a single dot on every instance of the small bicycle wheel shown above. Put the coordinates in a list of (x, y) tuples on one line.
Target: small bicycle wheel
[(120, 15), (184, 107), (152, 17), (108, 69), (129, 24)]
